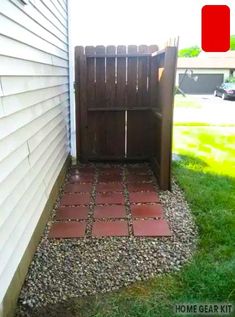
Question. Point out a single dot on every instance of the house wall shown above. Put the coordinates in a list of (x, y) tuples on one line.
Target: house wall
[(34, 120), (225, 72)]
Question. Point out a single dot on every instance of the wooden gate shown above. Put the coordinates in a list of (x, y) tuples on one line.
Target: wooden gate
[(124, 98)]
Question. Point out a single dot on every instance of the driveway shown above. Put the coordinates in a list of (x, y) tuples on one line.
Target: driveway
[(204, 109)]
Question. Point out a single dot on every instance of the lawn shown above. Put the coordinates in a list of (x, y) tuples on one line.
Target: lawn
[(206, 173), (203, 111)]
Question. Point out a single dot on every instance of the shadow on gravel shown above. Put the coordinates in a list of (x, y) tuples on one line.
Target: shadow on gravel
[(77, 307)]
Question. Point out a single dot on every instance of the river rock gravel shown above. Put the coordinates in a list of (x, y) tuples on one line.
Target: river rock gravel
[(68, 268)]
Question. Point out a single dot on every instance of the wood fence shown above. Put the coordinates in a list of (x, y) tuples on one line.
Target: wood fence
[(124, 101)]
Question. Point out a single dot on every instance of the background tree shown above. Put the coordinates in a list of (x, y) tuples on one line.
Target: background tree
[(232, 43), (189, 52), (194, 51)]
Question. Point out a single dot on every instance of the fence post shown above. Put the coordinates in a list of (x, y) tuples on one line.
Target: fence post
[(167, 86), (81, 111)]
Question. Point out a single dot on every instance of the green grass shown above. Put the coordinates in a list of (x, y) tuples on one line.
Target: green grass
[(206, 173)]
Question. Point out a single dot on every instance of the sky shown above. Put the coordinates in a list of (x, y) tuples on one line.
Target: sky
[(117, 22)]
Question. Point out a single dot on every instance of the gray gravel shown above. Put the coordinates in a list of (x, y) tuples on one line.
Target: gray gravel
[(63, 269)]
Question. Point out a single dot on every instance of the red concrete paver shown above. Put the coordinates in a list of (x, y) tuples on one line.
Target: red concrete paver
[(138, 170), (133, 178), (65, 213), (109, 198), (75, 199), (109, 187), (78, 188), (84, 178), (74, 171), (141, 187), (151, 228), (110, 229), (106, 178), (110, 171), (144, 211), (111, 211), (109, 168), (143, 197), (67, 230), (109, 203), (87, 169)]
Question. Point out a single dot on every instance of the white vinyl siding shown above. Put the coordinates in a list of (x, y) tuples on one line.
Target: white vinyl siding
[(34, 119)]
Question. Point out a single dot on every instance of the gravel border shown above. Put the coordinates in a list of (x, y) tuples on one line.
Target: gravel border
[(64, 269)]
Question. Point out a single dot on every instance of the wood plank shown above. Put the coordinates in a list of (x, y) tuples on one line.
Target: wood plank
[(106, 134), (121, 77), (81, 102), (100, 77), (90, 77), (138, 134), (153, 83), (119, 55), (132, 77), (118, 109), (167, 86), (110, 77), (152, 48), (156, 141), (143, 77)]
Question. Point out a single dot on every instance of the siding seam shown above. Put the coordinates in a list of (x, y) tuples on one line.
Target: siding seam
[(42, 38), (58, 11), (38, 103), (56, 106), (64, 33), (30, 165), (1, 90), (34, 119), (31, 90), (29, 152), (61, 6), (57, 115), (46, 29), (56, 145), (37, 48), (32, 61), (54, 14)]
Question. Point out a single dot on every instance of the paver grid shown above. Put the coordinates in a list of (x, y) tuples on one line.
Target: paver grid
[(103, 200)]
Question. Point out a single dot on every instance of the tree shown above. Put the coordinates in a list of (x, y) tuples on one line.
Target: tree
[(194, 51), (189, 52), (232, 42)]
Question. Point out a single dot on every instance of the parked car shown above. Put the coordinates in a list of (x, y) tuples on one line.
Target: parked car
[(226, 91)]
